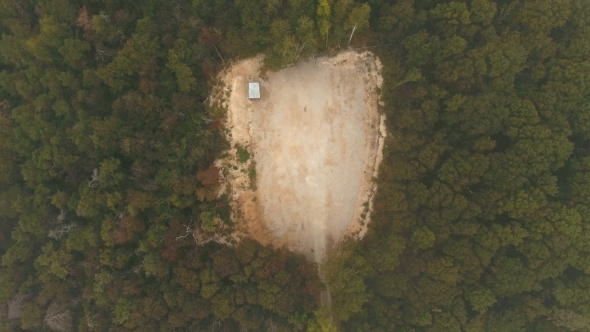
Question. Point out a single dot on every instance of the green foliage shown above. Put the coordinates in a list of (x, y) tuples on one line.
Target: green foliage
[(242, 153), (32, 316), (481, 299), (73, 50), (423, 238), (483, 174), (321, 322), (480, 222), (52, 33), (285, 47), (102, 128), (177, 62), (345, 273), (323, 17), (569, 319), (137, 51), (122, 311), (53, 261), (483, 11), (208, 221), (358, 17), (453, 12), (101, 280)]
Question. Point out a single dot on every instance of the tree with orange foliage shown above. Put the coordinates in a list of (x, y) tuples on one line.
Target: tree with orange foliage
[(210, 37), (127, 228), (209, 177), (85, 20)]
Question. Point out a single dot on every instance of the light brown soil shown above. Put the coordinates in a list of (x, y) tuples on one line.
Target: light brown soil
[(315, 137)]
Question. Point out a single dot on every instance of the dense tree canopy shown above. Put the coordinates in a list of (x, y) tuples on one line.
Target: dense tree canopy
[(481, 210), (481, 221), (106, 184)]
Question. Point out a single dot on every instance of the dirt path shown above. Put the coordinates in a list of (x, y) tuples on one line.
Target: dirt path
[(315, 139)]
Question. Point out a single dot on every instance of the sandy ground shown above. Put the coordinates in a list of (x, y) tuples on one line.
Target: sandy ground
[(315, 139)]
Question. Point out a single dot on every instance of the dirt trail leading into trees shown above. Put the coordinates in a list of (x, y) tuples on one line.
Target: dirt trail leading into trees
[(315, 139)]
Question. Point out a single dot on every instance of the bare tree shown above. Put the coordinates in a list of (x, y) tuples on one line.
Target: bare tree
[(58, 317), (136, 269), (243, 327), (178, 10), (105, 16), (210, 37), (90, 321), (149, 185), (62, 228), (503, 14), (270, 325), (103, 53), (123, 37), (352, 33), (195, 23), (4, 107), (3, 311), (216, 324), (95, 182), (188, 231), (17, 5), (16, 305), (39, 12)]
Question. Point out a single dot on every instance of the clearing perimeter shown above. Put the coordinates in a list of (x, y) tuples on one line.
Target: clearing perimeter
[(303, 157)]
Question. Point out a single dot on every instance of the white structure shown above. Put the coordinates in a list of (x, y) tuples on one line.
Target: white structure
[(253, 90)]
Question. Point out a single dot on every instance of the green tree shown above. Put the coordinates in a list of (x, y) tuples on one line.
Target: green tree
[(483, 11), (122, 310), (177, 62), (46, 44), (321, 322), (358, 19), (423, 238), (32, 316), (345, 273), (128, 61), (481, 299), (323, 18), (53, 262)]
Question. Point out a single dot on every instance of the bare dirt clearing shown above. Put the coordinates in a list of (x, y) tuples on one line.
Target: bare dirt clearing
[(313, 144)]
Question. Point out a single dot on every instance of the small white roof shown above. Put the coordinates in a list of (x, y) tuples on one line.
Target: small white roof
[(253, 90)]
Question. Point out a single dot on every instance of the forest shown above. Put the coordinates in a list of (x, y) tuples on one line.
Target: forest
[(108, 215)]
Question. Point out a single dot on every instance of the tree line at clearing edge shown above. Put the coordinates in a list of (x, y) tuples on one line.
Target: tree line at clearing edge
[(109, 219)]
